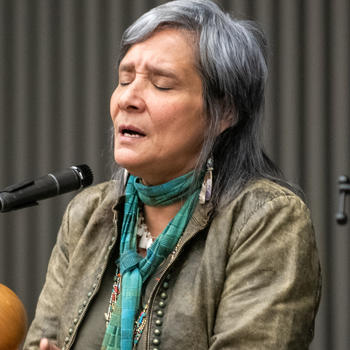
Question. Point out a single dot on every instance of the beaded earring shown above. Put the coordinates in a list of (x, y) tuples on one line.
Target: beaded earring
[(205, 193)]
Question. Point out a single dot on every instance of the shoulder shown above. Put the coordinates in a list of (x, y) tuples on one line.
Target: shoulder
[(263, 204), (264, 193), (265, 190), (93, 196), (93, 203)]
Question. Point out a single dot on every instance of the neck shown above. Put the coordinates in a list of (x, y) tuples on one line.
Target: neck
[(157, 218)]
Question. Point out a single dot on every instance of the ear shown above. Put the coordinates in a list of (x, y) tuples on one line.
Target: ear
[(229, 120), (225, 123)]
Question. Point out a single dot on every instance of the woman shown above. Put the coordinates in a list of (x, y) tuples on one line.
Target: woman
[(207, 247)]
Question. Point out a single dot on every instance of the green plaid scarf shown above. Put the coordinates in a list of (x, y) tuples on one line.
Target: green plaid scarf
[(135, 269)]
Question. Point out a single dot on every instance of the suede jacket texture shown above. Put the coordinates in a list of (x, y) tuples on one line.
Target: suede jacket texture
[(249, 278)]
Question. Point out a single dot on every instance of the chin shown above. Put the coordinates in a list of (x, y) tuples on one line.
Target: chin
[(131, 164)]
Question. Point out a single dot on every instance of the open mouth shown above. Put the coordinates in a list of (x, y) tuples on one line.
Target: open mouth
[(131, 131)]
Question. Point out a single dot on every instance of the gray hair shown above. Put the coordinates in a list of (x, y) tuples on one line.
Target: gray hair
[(231, 57)]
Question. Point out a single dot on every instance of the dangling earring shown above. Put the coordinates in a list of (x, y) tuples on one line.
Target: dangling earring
[(205, 193)]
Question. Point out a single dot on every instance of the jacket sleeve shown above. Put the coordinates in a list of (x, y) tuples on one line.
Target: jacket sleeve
[(46, 320), (272, 286)]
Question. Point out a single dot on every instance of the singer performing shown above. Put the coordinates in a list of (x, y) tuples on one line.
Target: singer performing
[(198, 242)]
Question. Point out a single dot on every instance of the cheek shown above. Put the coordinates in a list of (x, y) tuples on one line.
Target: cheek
[(190, 119), (165, 118), (182, 126), (113, 106), (182, 111)]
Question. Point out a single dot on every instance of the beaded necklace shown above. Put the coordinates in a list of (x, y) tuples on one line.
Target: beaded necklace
[(141, 320), (114, 296), (140, 324), (145, 240), (144, 237)]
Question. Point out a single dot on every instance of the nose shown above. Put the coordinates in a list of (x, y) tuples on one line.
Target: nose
[(131, 97)]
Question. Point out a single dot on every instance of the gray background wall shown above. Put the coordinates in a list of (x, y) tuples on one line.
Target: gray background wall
[(57, 72)]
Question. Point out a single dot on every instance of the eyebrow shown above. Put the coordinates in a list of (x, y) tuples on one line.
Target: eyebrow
[(129, 67), (126, 67), (163, 72)]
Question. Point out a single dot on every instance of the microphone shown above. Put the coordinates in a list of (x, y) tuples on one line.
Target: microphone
[(27, 193)]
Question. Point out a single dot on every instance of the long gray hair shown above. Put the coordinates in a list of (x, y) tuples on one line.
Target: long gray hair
[(231, 60)]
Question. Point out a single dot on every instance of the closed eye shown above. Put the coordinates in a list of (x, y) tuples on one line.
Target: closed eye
[(124, 83), (162, 88)]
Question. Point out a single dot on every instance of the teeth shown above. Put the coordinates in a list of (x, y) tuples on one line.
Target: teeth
[(131, 135)]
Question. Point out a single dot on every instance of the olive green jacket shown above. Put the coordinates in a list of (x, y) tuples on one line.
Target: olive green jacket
[(249, 278)]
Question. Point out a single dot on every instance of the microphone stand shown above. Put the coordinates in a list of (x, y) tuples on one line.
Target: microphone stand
[(344, 189)]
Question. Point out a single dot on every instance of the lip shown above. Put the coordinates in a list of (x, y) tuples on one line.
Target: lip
[(127, 137)]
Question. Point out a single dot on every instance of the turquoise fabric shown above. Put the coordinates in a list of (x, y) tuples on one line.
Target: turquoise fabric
[(135, 269)]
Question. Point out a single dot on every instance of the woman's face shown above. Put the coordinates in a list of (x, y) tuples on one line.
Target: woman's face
[(157, 108)]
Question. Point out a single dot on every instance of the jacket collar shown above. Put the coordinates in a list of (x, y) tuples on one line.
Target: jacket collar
[(199, 220)]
